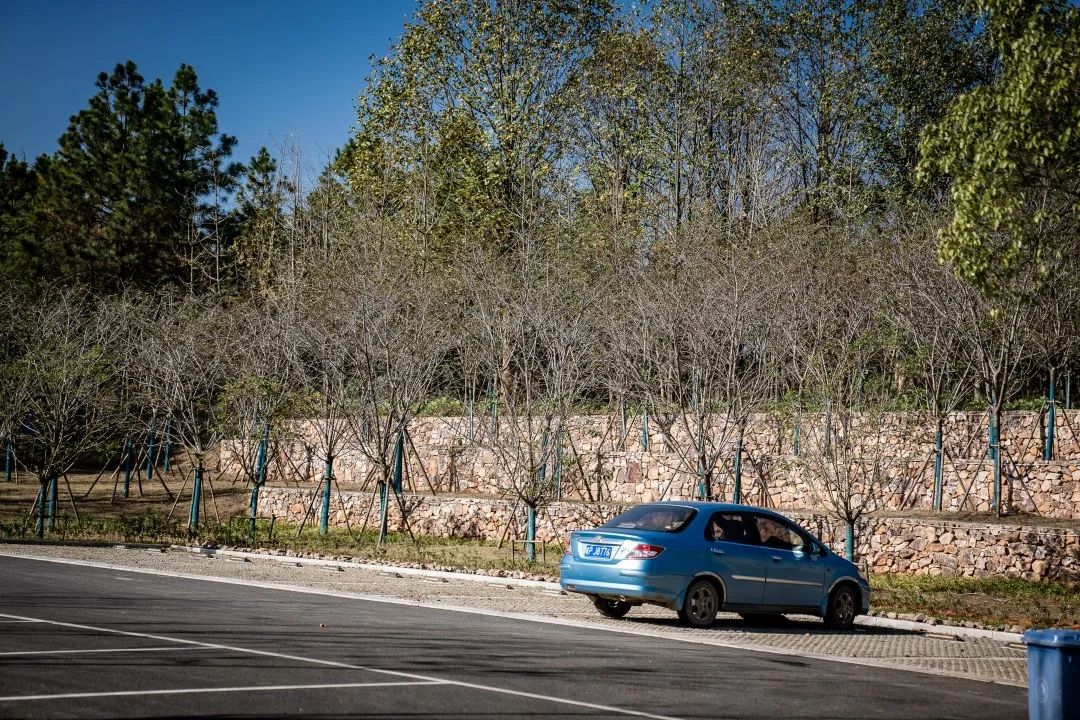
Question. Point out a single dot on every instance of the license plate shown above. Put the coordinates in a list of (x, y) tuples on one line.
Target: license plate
[(602, 552)]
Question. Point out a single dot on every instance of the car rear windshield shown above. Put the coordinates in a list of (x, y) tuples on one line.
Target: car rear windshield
[(660, 518)]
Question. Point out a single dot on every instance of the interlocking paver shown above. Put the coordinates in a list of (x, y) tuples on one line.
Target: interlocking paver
[(970, 657)]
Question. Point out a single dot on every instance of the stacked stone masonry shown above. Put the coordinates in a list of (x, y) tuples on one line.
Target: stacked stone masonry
[(885, 544), (601, 459)]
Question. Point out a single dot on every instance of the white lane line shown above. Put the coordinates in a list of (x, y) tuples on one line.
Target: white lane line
[(427, 679), (194, 691), (623, 629), (95, 651)]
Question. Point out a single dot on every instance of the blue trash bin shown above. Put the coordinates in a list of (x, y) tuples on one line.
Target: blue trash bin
[(1053, 674)]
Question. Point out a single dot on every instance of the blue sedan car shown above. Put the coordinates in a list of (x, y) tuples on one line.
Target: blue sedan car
[(700, 557)]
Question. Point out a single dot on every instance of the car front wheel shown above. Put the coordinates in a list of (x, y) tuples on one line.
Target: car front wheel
[(611, 608), (701, 604), (842, 608)]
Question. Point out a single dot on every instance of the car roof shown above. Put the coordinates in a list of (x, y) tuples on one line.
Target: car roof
[(713, 505)]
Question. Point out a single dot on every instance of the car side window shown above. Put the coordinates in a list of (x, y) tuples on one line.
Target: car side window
[(729, 527), (778, 535)]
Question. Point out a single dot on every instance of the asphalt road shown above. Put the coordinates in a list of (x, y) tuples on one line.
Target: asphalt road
[(93, 643)]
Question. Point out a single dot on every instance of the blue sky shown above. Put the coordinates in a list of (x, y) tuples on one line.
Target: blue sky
[(284, 70)]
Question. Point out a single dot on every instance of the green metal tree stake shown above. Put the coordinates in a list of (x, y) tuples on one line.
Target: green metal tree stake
[(849, 540), (939, 457), (399, 461), (1048, 448), (795, 438), (558, 464), (738, 470), (530, 533), (995, 456), (9, 455), (196, 497), (260, 477), (645, 431), (328, 476), (54, 486), (127, 468), (151, 448), (168, 445), (41, 509)]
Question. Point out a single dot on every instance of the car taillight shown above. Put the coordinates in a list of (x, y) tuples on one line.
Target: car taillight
[(569, 546), (642, 551)]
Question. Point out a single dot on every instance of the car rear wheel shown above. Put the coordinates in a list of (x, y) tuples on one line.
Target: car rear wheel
[(701, 604), (611, 608), (841, 611)]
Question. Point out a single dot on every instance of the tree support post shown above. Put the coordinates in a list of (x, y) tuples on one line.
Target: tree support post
[(557, 464), (196, 497), (328, 476), (1048, 448), (494, 403), (939, 457), (622, 422), (41, 508), (849, 540), (9, 453), (168, 445), (645, 431), (260, 478), (995, 456), (54, 487), (127, 468), (151, 448), (796, 435), (530, 533), (399, 461), (737, 495), (1068, 387)]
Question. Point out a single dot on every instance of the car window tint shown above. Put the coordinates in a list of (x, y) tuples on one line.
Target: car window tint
[(658, 518), (778, 535), (729, 527)]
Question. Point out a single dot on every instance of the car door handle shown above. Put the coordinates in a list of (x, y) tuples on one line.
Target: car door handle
[(716, 551), (776, 558)]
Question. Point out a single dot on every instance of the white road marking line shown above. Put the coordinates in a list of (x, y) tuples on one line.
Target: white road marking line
[(193, 691), (622, 629), (159, 648), (426, 679)]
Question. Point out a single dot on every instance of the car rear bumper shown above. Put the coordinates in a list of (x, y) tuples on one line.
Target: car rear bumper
[(611, 581)]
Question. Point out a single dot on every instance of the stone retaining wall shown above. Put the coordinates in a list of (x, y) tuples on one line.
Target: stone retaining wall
[(603, 460), (885, 544)]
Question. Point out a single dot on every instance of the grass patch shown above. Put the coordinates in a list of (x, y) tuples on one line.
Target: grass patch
[(999, 602)]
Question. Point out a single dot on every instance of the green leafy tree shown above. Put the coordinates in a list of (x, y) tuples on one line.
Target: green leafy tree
[(1012, 148), (260, 220), (921, 55), (463, 127), (139, 183), (18, 183)]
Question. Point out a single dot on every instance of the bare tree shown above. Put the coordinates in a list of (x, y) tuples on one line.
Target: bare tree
[(399, 334), (536, 322), (185, 361), (929, 313), (699, 357), (64, 381)]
